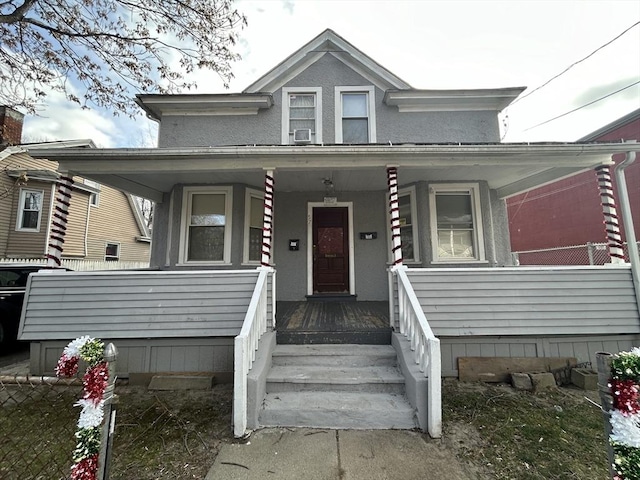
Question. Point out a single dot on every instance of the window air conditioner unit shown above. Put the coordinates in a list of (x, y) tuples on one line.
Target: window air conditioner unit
[(302, 136)]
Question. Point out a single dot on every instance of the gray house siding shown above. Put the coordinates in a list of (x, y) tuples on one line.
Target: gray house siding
[(527, 301), (528, 312), (290, 222), (583, 348), (264, 128), (159, 321), (136, 304)]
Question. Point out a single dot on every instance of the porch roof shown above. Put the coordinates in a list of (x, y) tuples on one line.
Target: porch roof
[(508, 168)]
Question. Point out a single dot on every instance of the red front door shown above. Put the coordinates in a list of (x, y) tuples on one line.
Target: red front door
[(330, 250)]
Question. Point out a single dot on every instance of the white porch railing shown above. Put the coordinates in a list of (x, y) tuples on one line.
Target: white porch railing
[(425, 347), (246, 345)]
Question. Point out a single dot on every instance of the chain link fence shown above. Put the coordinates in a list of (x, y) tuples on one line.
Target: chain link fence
[(587, 254), (158, 434), (37, 426)]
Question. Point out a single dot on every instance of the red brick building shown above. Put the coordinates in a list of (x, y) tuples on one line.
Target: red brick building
[(568, 212)]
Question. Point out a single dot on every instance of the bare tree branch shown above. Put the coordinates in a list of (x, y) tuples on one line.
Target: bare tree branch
[(102, 52)]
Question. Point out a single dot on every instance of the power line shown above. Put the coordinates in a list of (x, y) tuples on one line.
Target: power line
[(573, 65), (582, 106)]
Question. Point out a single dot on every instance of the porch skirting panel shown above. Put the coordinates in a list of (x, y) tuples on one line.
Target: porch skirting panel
[(583, 348), (147, 356)]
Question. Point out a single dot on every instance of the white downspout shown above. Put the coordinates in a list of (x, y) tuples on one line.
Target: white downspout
[(627, 219)]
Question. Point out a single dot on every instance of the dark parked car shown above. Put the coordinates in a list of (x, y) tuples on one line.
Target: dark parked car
[(13, 282)]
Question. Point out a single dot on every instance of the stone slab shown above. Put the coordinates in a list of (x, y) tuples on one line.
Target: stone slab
[(542, 381), (521, 381), (499, 369)]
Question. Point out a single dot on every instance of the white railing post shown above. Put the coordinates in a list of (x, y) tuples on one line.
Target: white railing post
[(425, 347), (434, 395), (245, 346)]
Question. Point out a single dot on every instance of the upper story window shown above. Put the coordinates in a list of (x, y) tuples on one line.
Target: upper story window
[(301, 115), (206, 229), (355, 115), (254, 209), (30, 210), (456, 223), (94, 198)]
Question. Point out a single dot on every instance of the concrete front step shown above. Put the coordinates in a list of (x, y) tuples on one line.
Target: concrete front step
[(343, 410), (382, 379), (334, 355)]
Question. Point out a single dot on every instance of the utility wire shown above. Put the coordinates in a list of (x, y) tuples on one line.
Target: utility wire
[(573, 65), (582, 106)]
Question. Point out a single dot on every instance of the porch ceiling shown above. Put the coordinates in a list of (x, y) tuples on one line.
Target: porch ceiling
[(508, 168)]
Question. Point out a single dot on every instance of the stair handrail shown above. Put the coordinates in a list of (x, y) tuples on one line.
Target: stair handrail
[(245, 347), (425, 346)]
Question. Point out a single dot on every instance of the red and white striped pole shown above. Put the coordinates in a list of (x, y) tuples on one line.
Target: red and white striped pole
[(267, 219), (394, 210), (612, 226), (59, 221)]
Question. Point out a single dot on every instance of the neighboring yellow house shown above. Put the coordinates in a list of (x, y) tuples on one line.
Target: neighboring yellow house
[(105, 224)]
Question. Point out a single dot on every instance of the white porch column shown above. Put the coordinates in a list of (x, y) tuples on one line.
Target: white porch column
[(396, 242), (612, 226), (59, 221), (267, 219)]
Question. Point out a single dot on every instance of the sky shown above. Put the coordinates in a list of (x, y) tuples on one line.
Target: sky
[(430, 44)]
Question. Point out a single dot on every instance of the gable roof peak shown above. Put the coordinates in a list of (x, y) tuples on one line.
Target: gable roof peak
[(327, 42)]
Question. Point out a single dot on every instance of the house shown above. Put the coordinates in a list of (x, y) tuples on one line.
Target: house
[(105, 224), (536, 223), (332, 202)]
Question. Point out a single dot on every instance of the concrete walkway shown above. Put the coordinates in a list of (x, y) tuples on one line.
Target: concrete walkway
[(312, 454)]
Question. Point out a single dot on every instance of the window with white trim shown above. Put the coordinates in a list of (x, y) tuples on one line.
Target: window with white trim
[(112, 252), (301, 115), (253, 223), (456, 223), (206, 225), (94, 198), (355, 115), (30, 210)]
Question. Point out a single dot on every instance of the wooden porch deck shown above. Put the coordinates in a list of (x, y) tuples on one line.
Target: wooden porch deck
[(333, 322)]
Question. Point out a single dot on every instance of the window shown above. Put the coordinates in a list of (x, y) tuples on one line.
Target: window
[(112, 252), (94, 198), (206, 229), (455, 223), (301, 110), (254, 209), (30, 210), (355, 115)]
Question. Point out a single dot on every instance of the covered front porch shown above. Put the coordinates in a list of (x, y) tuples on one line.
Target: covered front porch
[(414, 232)]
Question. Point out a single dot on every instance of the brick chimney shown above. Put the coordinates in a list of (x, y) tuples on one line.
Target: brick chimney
[(10, 126)]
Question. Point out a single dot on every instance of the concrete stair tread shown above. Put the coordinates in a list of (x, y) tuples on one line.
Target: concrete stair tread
[(333, 350), (337, 410), (334, 375)]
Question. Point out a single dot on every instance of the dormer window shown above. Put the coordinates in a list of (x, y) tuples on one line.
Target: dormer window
[(355, 115), (301, 115)]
